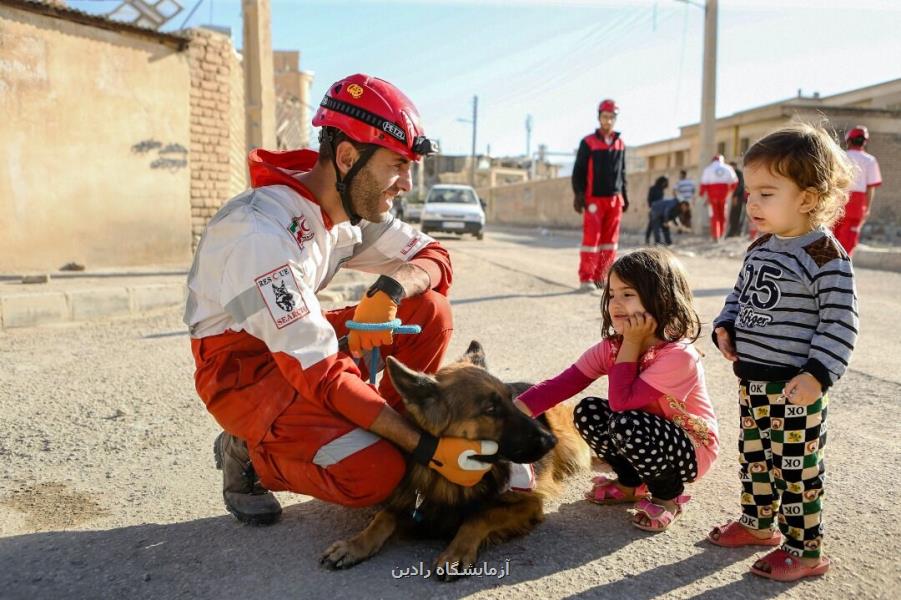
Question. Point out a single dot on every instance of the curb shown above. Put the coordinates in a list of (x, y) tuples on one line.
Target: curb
[(92, 304), (881, 260), (45, 308)]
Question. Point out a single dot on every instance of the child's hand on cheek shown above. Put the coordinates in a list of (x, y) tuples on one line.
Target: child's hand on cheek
[(639, 328)]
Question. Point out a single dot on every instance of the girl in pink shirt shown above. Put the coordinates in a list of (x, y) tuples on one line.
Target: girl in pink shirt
[(657, 430)]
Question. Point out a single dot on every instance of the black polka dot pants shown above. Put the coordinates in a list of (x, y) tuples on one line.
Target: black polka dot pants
[(639, 446)]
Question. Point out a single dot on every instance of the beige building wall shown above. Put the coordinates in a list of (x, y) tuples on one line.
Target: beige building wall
[(292, 87), (877, 106), (95, 136)]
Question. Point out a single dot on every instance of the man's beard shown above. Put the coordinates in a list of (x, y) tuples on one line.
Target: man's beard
[(366, 195)]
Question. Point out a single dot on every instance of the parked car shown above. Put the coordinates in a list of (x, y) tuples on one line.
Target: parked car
[(410, 210), (453, 209)]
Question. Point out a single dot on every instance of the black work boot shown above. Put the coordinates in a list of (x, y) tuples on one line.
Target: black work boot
[(244, 497)]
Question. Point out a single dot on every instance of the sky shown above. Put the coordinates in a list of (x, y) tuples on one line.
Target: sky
[(556, 59)]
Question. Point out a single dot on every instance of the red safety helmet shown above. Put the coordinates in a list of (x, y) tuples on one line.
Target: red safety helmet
[(370, 110), (608, 105), (858, 131)]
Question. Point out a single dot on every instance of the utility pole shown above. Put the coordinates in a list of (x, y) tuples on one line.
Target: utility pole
[(528, 135), (708, 99), (472, 155), (708, 86), (259, 78), (475, 119), (707, 132), (420, 178)]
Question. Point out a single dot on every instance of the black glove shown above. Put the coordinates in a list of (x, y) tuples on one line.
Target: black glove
[(579, 203)]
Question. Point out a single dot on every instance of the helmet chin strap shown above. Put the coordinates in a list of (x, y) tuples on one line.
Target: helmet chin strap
[(342, 184)]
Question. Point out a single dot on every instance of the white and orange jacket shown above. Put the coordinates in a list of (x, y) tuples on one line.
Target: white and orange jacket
[(262, 259), (718, 180)]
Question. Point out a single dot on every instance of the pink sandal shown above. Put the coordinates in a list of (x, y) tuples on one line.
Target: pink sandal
[(734, 535), (606, 492), (659, 516), (785, 567)]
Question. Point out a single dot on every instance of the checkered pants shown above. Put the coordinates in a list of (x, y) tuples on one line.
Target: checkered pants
[(782, 468)]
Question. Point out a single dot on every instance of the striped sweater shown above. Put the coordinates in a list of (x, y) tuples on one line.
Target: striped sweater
[(793, 309)]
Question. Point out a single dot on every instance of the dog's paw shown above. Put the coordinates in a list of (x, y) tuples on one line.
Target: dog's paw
[(452, 565), (342, 555)]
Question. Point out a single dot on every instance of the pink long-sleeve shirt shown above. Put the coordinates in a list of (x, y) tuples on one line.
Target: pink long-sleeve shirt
[(668, 381)]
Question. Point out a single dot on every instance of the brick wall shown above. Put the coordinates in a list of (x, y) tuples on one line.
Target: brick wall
[(217, 126)]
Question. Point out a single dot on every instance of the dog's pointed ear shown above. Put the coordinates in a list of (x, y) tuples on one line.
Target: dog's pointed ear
[(475, 355), (421, 395), (413, 386)]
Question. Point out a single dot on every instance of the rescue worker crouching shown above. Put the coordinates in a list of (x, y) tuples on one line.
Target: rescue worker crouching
[(296, 410)]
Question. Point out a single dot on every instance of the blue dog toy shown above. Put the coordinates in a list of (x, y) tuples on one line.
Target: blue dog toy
[(395, 326)]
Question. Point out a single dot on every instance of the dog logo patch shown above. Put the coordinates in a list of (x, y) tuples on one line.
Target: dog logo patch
[(282, 296)]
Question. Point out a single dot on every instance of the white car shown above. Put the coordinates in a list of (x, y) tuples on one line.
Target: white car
[(453, 209)]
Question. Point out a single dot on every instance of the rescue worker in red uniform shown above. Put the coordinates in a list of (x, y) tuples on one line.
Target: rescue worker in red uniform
[(867, 178), (718, 181), (599, 185), (297, 412)]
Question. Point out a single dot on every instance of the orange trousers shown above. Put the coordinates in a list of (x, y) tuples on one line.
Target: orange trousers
[(307, 448)]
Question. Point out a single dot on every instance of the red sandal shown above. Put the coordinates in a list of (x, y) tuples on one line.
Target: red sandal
[(659, 517), (605, 492), (785, 567), (734, 535)]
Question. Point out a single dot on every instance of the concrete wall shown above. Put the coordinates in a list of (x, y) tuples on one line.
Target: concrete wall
[(549, 203), (95, 136), (886, 147)]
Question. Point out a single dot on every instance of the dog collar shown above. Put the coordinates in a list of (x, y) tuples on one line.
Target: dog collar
[(416, 515)]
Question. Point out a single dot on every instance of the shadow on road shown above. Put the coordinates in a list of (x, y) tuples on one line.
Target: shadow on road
[(665, 579), (218, 557)]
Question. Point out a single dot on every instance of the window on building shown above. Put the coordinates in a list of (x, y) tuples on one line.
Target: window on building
[(680, 158), (721, 148), (745, 143)]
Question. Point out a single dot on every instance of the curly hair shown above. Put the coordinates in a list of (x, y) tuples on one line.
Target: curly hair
[(662, 286), (808, 155)]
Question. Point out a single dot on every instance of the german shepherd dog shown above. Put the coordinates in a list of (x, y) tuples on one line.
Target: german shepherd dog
[(464, 400)]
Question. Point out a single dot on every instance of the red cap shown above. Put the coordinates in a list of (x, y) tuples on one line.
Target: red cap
[(608, 105), (856, 132), (370, 110)]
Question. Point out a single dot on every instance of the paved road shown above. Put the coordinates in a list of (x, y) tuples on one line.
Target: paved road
[(108, 488)]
